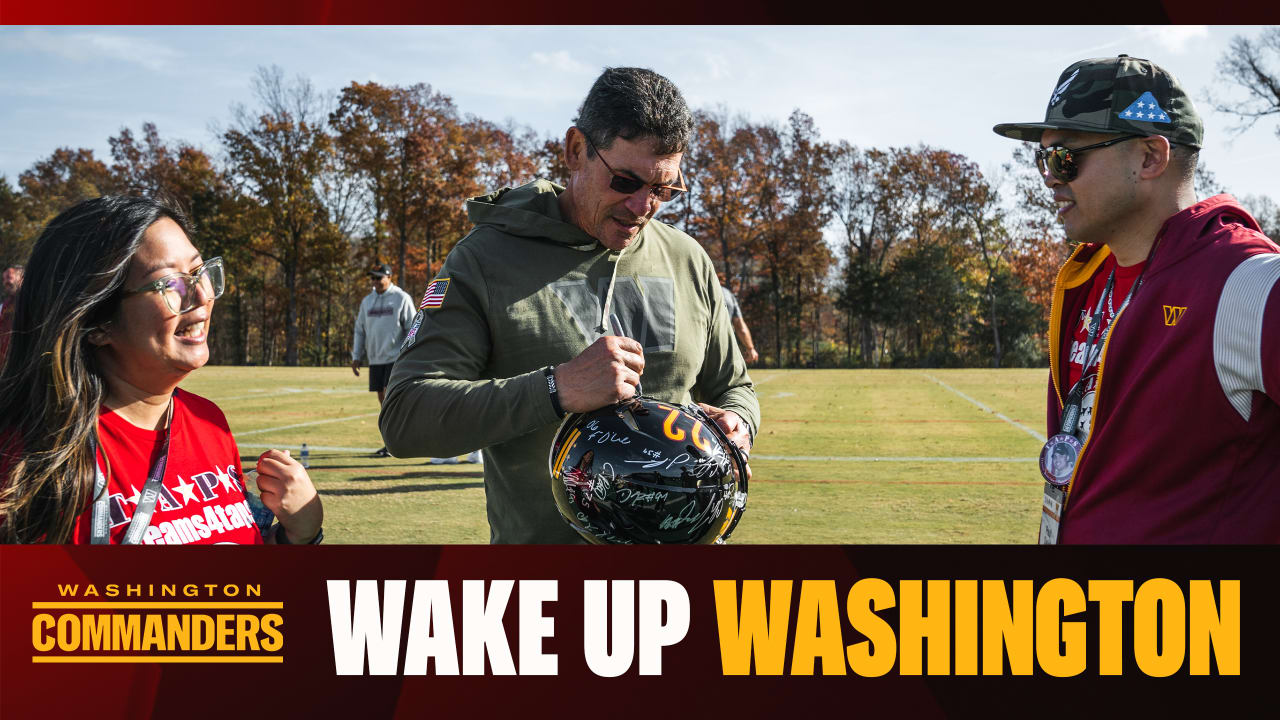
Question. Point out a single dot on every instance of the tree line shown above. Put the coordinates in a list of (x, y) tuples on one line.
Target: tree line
[(841, 256)]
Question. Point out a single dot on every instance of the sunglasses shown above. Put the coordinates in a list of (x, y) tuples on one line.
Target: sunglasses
[(628, 185), (1061, 161), (179, 289)]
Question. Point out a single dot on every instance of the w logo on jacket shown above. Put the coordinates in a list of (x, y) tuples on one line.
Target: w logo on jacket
[(1173, 314)]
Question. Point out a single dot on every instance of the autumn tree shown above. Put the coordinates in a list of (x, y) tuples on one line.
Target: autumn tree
[(449, 167), (547, 155), (938, 265), (61, 180), (1039, 246), (928, 279), (757, 205), (378, 132), (146, 165), (791, 212), (48, 187), (16, 236), (925, 289), (978, 213), (420, 160), (864, 202), (720, 184), (178, 171), (503, 156), (277, 156)]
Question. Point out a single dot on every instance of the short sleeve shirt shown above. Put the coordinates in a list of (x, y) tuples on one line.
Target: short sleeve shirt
[(731, 303)]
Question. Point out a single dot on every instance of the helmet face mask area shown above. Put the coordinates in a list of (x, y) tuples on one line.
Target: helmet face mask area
[(645, 471)]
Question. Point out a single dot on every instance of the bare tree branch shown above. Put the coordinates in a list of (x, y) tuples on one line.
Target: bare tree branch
[(1247, 65)]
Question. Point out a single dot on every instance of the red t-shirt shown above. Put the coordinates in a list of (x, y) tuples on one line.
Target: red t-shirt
[(1125, 278), (202, 498)]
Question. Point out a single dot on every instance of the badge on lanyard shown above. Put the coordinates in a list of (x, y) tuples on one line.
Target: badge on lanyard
[(1058, 458), (1061, 453), (1055, 497)]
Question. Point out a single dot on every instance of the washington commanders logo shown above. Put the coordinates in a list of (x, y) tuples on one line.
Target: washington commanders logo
[(1173, 314)]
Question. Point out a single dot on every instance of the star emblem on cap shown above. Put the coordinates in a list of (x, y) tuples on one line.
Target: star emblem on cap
[(1145, 108)]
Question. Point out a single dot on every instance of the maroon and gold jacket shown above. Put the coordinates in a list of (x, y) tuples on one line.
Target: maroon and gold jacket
[(1185, 445)]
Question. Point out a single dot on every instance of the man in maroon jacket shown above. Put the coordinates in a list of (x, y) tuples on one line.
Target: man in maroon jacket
[(1165, 328)]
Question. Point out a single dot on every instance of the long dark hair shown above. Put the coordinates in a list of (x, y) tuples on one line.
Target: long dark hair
[(50, 385)]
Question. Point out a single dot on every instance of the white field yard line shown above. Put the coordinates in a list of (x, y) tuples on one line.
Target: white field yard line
[(787, 458), (298, 447), (286, 391), (986, 409), (305, 424), (838, 458), (320, 448)]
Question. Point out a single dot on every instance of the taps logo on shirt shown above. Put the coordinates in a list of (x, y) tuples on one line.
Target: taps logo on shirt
[(206, 504), (1173, 314)]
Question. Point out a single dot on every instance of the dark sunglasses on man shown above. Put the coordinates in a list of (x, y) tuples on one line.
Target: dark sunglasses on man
[(179, 289), (628, 185), (1061, 161)]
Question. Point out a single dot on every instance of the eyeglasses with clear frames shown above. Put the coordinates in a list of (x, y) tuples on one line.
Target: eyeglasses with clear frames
[(179, 290)]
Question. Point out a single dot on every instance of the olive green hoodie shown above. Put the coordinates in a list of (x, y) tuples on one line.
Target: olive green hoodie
[(524, 291)]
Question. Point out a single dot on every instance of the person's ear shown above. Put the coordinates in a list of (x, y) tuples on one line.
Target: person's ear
[(100, 335), (1156, 156), (575, 147)]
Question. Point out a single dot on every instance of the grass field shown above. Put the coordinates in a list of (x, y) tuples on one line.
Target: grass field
[(845, 456)]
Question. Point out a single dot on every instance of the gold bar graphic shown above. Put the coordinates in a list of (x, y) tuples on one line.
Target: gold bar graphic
[(157, 605), (157, 659)]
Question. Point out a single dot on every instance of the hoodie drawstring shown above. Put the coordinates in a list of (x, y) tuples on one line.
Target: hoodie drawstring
[(608, 295)]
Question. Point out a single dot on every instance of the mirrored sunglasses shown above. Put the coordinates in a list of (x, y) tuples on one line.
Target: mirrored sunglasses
[(1061, 161), (183, 292)]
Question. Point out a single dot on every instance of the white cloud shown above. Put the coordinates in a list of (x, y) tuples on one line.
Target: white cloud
[(1173, 38), (718, 67), (92, 46), (560, 60)]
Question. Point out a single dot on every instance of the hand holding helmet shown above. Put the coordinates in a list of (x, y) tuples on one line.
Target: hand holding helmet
[(606, 372), (735, 428)]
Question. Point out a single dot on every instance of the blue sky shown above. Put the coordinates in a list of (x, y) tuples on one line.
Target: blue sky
[(876, 86)]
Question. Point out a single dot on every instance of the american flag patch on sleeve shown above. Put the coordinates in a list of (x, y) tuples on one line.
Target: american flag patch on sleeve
[(435, 293)]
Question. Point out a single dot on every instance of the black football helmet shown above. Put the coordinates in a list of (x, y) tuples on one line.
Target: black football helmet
[(647, 471)]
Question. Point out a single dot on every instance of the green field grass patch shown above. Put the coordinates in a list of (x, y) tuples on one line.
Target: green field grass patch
[(916, 492)]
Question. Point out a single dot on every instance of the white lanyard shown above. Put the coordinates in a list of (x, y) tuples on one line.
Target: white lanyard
[(101, 530)]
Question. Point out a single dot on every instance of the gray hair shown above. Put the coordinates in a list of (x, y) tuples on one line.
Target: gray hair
[(633, 103)]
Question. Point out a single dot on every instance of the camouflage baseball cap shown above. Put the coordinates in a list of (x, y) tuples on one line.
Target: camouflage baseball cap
[(1116, 95)]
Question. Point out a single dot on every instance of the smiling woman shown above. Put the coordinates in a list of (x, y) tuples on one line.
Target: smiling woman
[(97, 444)]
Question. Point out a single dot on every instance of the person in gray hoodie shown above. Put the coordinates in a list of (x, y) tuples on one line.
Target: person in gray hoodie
[(559, 300), (381, 325)]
